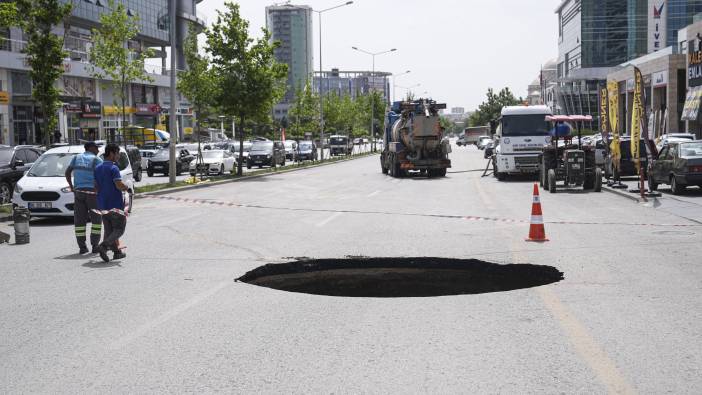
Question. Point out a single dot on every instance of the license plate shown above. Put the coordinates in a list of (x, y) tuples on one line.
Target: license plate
[(158, 167), (258, 161), (40, 205)]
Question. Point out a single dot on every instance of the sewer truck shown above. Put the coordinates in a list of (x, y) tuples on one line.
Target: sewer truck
[(414, 140), (522, 132)]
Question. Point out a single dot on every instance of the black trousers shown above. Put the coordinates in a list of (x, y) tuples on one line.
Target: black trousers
[(114, 225), (83, 205)]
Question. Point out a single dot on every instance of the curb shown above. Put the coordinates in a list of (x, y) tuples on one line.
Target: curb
[(622, 193), (244, 178)]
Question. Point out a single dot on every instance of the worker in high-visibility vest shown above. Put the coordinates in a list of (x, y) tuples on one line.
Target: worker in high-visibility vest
[(80, 176)]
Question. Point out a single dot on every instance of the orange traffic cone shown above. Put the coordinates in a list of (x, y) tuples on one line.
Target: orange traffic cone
[(537, 232)]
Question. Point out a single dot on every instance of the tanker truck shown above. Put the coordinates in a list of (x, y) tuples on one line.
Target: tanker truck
[(414, 140)]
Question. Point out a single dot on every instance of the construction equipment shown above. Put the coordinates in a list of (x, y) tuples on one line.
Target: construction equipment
[(414, 140), (563, 160)]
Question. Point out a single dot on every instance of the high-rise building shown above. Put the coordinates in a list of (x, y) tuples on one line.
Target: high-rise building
[(88, 110), (291, 25), (352, 83)]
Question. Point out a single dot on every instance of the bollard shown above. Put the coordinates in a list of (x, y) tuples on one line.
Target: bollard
[(21, 215)]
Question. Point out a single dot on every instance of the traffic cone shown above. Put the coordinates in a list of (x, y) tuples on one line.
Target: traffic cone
[(537, 232)]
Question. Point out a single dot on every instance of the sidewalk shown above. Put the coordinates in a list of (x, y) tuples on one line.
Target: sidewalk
[(688, 205)]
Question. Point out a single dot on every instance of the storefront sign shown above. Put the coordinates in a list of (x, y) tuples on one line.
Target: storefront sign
[(72, 108), (148, 109), (116, 110), (657, 25), (659, 79), (694, 68), (92, 109), (4, 97), (179, 111)]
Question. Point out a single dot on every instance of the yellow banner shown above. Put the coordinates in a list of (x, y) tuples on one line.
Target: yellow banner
[(637, 116), (615, 148), (116, 110)]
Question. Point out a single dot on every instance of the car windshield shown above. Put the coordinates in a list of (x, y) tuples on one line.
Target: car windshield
[(161, 154), (5, 155), (212, 154), (691, 150), (51, 165), (262, 146), (338, 140), (305, 146), (525, 125)]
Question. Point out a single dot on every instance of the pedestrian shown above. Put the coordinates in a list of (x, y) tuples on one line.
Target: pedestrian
[(110, 202), (81, 180)]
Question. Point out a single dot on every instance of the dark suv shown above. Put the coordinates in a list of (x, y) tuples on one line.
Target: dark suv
[(14, 161), (266, 153)]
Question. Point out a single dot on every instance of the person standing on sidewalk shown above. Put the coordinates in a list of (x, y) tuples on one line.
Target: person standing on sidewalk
[(110, 201), (81, 180)]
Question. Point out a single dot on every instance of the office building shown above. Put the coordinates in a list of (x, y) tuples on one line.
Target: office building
[(352, 83), (89, 109), (291, 25)]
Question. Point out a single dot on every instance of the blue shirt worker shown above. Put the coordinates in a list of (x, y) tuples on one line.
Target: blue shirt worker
[(110, 202), (81, 180)]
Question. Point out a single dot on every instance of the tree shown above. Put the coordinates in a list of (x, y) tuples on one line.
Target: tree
[(197, 82), (111, 58), (304, 112), (44, 51), (490, 109), (249, 80)]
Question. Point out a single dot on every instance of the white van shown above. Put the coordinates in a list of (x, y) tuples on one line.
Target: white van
[(43, 188)]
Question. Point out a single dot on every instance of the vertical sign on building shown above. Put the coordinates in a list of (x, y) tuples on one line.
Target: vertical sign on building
[(657, 25)]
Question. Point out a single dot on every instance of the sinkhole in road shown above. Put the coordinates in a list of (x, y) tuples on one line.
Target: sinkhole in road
[(399, 277)]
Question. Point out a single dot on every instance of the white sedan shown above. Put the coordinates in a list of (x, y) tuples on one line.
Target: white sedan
[(213, 162)]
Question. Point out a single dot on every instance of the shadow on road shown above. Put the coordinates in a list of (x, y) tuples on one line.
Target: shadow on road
[(72, 257), (94, 264)]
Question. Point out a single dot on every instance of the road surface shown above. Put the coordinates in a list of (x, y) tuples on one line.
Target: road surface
[(170, 318)]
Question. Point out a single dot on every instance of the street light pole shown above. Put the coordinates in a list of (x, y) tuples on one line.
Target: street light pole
[(321, 72), (370, 90), (394, 86), (173, 110)]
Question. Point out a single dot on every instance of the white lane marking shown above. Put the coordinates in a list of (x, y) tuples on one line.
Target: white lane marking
[(376, 193), (163, 318), (329, 219)]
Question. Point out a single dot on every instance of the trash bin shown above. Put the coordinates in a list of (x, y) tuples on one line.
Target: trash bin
[(21, 215)]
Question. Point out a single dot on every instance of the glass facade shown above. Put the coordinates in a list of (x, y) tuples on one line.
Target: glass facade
[(153, 15), (637, 40), (604, 32), (680, 13)]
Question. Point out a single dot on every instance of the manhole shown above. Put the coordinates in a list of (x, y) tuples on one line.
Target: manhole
[(399, 277)]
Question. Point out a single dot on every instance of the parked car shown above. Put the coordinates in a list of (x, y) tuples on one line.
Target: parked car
[(135, 159), (627, 167), (664, 139), (159, 163), (483, 141), (14, 161), (679, 164), (266, 153), (462, 141), (306, 150), (214, 162), (44, 191), (291, 150)]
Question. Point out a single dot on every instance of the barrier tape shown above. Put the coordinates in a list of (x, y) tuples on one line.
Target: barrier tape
[(467, 218)]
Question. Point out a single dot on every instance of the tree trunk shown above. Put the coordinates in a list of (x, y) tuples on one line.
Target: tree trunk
[(47, 133), (240, 164), (124, 121)]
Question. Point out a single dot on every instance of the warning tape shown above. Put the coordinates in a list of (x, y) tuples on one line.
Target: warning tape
[(212, 202)]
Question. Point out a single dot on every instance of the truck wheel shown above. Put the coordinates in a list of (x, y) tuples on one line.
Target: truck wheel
[(589, 182), (552, 181), (501, 176), (441, 172)]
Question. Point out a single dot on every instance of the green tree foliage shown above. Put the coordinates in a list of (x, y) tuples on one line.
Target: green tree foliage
[(490, 109), (304, 112), (44, 51), (249, 80), (197, 83), (111, 58)]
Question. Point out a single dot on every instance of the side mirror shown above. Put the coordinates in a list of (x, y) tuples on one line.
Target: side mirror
[(18, 163)]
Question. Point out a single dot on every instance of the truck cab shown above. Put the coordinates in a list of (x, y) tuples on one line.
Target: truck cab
[(522, 132)]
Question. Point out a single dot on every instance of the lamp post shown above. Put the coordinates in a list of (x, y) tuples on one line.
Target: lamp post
[(408, 88), (321, 97), (370, 88), (394, 87), (174, 106), (221, 125)]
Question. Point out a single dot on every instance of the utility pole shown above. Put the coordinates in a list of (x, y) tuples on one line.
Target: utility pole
[(174, 106)]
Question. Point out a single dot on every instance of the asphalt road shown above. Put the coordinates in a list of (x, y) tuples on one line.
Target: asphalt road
[(170, 318)]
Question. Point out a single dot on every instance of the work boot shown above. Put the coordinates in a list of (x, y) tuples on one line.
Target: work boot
[(103, 253), (83, 250), (118, 255), (96, 250)]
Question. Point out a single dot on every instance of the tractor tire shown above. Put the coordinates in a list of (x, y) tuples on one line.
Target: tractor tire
[(598, 180), (552, 180), (441, 172)]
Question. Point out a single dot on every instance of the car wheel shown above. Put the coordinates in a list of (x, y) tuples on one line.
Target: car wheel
[(676, 187), (150, 173), (5, 193), (221, 170)]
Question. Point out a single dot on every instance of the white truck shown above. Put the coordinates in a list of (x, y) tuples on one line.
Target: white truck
[(522, 132)]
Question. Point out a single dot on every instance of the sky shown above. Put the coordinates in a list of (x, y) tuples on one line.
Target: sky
[(456, 49)]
